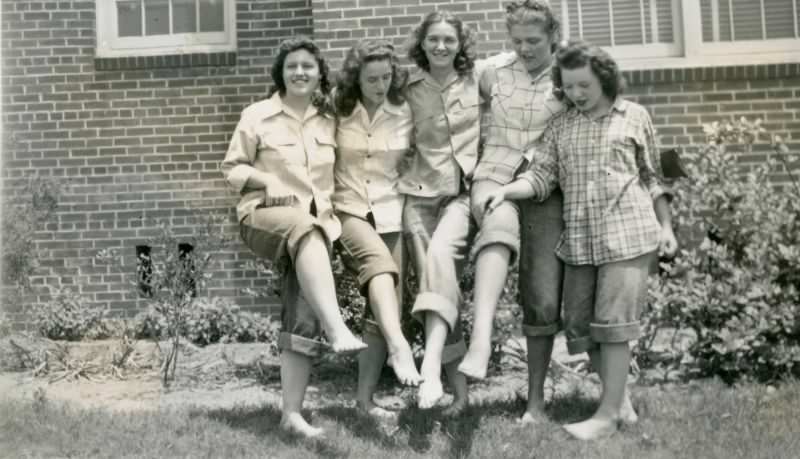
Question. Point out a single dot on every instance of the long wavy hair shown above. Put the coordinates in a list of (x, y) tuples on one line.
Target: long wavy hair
[(465, 58), (348, 89), (578, 53), (321, 97), (536, 12)]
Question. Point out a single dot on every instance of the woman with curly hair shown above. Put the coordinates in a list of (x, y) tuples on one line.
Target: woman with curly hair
[(280, 160), (444, 97), (373, 137), (522, 103), (601, 151)]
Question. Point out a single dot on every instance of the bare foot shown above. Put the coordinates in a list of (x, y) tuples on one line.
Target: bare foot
[(344, 342), (627, 415), (475, 363), (456, 408), (402, 362), (531, 418), (294, 423), (592, 429), (374, 411), (429, 392)]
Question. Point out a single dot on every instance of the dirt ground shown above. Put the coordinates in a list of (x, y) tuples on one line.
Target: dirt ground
[(224, 376)]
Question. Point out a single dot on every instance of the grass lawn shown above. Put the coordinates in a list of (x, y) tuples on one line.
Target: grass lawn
[(703, 419)]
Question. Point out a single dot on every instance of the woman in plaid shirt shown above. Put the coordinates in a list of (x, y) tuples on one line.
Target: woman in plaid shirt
[(601, 152)]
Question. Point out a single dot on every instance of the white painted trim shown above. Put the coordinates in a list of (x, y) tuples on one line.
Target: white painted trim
[(719, 60), (109, 44)]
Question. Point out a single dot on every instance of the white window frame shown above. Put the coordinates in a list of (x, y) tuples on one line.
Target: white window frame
[(110, 44), (689, 49)]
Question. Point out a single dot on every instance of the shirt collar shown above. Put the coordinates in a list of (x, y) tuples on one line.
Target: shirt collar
[(274, 106), (387, 107)]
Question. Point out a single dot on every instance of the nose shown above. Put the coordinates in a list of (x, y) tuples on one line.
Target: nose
[(381, 85), (440, 45)]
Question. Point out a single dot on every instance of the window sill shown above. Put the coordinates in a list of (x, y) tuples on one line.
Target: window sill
[(220, 59)]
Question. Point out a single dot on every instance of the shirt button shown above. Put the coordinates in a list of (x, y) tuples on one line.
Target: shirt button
[(369, 156), (369, 135), (368, 181)]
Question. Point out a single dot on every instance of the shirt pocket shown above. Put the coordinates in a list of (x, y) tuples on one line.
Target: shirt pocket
[(325, 149), (278, 145), (396, 149), (622, 156)]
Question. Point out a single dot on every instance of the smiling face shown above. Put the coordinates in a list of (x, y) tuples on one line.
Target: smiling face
[(375, 79), (301, 73), (441, 46), (532, 44), (583, 89)]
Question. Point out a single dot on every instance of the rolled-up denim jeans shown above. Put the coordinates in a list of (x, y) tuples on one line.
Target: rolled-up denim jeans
[(438, 231), (541, 272)]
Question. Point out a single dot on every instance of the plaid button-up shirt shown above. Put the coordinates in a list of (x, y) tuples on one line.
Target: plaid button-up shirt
[(610, 173), (368, 158), (521, 106)]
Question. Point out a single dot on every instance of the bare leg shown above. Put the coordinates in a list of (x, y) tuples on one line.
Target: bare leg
[(614, 363), (540, 349), (386, 310), (370, 363), (627, 414), (316, 282), (430, 390), (458, 382), (295, 374), (491, 271)]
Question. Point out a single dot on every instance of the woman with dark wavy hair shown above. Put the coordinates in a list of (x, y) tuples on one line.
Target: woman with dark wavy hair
[(601, 151), (444, 97), (280, 160), (373, 137)]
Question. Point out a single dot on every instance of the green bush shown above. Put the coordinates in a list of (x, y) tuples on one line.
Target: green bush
[(67, 317), (210, 320), (738, 289), (25, 211)]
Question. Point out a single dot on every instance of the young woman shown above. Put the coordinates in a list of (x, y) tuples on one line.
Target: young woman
[(373, 136), (522, 102), (281, 160), (444, 99), (601, 151)]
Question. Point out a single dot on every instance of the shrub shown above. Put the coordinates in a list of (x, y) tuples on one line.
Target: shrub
[(211, 320), (739, 288), (67, 317), (25, 211)]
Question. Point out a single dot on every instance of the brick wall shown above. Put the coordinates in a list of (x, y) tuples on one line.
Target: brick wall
[(680, 100), (132, 146), (139, 145)]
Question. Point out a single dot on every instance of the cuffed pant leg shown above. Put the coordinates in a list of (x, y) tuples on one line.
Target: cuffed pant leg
[(541, 272), (300, 328), (579, 300), (621, 294)]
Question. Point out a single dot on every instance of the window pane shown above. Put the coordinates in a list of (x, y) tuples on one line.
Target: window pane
[(156, 16), (747, 20), (129, 18), (665, 15), (184, 16), (780, 23), (212, 16), (596, 22), (628, 22), (705, 17)]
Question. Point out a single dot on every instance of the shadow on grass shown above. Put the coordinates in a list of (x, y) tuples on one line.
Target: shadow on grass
[(571, 408), (264, 422)]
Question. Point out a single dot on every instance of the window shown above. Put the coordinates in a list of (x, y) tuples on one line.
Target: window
[(165, 27), (686, 33)]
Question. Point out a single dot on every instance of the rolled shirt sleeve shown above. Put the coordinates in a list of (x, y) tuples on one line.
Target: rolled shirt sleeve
[(648, 159), (542, 170), (237, 167)]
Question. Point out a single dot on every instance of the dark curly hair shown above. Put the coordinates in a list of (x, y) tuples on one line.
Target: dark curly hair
[(348, 90), (321, 98), (534, 12), (578, 53), (465, 58)]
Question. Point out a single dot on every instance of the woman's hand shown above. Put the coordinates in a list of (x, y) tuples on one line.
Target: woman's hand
[(494, 199), (667, 244)]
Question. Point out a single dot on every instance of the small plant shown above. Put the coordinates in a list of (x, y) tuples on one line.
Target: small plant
[(66, 316), (177, 270), (738, 286)]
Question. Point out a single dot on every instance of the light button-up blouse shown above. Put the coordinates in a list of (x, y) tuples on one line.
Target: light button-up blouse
[(369, 156)]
